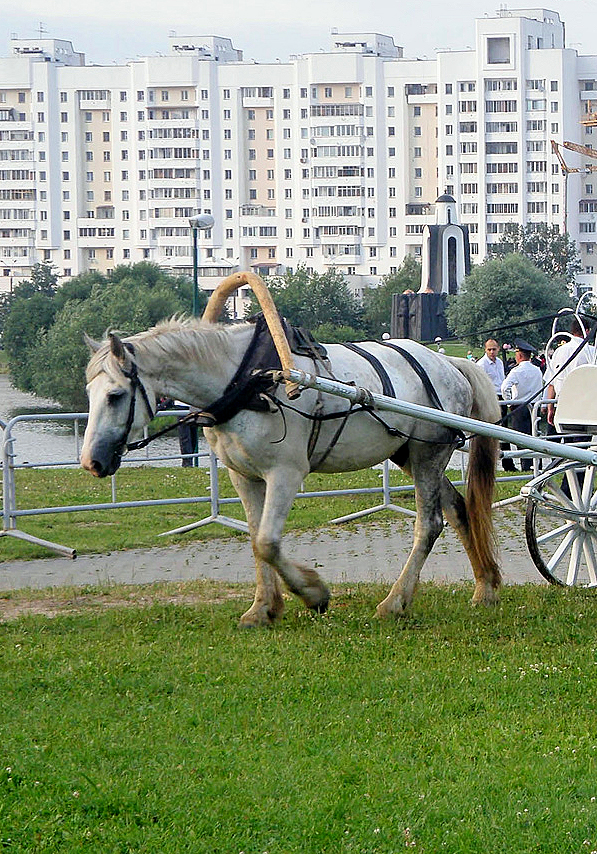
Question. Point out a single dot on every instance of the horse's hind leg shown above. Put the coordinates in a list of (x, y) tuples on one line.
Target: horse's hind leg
[(487, 578), (268, 603), (428, 525)]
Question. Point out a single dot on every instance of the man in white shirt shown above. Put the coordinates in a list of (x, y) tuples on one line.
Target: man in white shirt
[(586, 356), (522, 383), (492, 365)]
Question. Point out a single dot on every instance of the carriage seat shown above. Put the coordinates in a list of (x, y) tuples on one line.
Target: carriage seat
[(576, 410)]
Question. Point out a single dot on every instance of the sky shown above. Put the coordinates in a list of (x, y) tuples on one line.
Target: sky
[(110, 31)]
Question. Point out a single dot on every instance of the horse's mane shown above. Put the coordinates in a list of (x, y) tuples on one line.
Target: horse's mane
[(177, 337)]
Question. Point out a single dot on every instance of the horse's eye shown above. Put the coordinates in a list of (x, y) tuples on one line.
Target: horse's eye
[(115, 397)]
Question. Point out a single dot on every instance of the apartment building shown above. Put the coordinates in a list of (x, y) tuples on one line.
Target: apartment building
[(332, 159)]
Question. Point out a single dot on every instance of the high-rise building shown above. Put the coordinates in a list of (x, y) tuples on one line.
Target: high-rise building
[(330, 159)]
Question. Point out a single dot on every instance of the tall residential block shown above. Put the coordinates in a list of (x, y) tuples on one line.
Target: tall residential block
[(332, 159)]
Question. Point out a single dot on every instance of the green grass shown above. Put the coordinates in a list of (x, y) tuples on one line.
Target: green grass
[(168, 729), (109, 530)]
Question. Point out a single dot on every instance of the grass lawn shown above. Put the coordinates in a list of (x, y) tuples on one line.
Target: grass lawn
[(107, 530), (165, 728)]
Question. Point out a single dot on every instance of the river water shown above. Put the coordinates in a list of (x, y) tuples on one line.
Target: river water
[(52, 442)]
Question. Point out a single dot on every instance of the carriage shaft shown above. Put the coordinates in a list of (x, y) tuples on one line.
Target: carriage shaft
[(447, 419)]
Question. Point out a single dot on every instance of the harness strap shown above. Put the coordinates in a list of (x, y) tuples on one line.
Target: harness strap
[(419, 370), (386, 382)]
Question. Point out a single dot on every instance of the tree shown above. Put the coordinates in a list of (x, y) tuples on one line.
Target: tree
[(377, 302), (314, 299), (554, 253), (502, 291), (30, 310), (52, 356)]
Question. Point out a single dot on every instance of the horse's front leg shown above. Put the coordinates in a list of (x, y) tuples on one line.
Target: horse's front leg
[(268, 603), (282, 485)]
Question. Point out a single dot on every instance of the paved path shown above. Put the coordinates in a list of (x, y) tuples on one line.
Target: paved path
[(371, 552)]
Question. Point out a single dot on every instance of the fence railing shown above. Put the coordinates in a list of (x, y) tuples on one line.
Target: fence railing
[(12, 515)]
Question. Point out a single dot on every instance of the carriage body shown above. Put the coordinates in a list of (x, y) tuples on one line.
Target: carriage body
[(561, 513)]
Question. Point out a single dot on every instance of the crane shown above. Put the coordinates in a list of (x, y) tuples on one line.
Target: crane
[(566, 170), (590, 118), (585, 150)]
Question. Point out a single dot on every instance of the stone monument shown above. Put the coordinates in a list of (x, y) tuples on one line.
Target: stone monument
[(446, 260)]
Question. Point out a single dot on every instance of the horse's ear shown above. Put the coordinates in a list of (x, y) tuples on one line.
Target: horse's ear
[(91, 343), (116, 346)]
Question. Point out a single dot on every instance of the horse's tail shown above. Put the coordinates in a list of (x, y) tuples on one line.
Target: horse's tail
[(483, 453)]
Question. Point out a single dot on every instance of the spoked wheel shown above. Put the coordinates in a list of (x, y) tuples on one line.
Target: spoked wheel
[(561, 525)]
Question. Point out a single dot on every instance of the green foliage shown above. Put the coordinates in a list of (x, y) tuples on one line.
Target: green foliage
[(549, 250), (333, 334), (377, 302), (502, 291), (312, 299), (45, 326), (28, 312)]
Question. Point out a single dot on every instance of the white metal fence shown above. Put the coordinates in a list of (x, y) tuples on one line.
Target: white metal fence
[(13, 515)]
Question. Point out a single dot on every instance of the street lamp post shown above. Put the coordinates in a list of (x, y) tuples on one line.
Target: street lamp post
[(199, 222)]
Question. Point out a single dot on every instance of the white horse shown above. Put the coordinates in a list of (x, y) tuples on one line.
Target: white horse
[(269, 453)]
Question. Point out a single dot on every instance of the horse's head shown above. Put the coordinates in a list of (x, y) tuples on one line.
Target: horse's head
[(120, 405)]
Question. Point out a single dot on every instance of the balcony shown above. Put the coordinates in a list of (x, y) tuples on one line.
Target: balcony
[(419, 209), (257, 210)]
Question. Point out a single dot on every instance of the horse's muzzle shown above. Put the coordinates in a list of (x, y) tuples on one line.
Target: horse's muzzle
[(99, 466)]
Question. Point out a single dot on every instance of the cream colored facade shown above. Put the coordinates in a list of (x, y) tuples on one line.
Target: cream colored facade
[(332, 159)]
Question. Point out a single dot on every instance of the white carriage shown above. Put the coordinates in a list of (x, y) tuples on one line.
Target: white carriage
[(561, 514)]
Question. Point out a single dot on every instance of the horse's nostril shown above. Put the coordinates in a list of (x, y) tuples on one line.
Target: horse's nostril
[(97, 468)]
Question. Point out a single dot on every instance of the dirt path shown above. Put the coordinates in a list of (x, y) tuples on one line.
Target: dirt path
[(372, 552)]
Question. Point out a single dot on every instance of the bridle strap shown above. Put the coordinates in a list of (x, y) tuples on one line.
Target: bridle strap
[(132, 374)]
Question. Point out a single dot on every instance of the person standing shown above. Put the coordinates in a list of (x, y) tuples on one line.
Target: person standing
[(188, 438), (522, 384), (492, 365), (494, 368)]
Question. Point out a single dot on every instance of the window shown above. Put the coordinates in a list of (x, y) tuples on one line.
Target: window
[(498, 50)]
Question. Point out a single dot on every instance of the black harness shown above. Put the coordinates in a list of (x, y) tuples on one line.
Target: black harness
[(252, 387), (388, 388)]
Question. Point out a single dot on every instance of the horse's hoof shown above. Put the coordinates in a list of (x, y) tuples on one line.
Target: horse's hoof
[(256, 619), (322, 606), (317, 600), (394, 608), (486, 595)]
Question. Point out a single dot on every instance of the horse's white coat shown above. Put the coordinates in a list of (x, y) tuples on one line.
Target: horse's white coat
[(266, 453)]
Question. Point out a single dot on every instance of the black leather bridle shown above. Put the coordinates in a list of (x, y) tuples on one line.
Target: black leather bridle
[(133, 375)]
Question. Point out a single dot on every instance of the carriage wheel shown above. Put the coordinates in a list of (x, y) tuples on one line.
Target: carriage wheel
[(561, 525)]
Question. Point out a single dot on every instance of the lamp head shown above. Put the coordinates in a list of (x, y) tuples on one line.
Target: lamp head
[(201, 221)]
